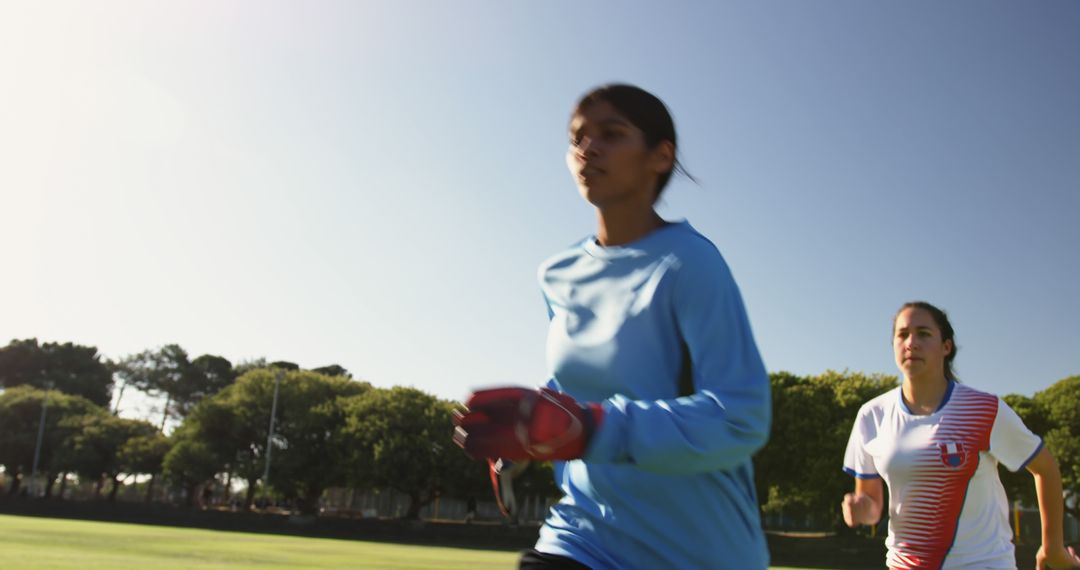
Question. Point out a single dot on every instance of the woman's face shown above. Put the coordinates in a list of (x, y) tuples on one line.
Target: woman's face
[(917, 344), (609, 159)]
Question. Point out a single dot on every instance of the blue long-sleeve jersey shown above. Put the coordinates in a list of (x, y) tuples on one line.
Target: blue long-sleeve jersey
[(667, 480)]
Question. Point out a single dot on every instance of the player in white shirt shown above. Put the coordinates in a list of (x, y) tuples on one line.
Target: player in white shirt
[(936, 444)]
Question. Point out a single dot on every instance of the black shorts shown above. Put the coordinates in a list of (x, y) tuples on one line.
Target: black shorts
[(533, 560)]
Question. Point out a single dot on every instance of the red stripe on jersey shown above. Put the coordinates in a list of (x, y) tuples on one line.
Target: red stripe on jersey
[(925, 530)]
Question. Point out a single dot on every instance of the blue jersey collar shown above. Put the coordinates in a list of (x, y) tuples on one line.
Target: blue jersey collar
[(944, 400)]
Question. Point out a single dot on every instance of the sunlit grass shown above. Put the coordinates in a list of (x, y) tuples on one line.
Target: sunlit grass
[(31, 542)]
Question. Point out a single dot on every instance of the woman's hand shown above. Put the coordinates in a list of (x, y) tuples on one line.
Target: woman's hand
[(864, 505), (859, 509), (1056, 557), (517, 424)]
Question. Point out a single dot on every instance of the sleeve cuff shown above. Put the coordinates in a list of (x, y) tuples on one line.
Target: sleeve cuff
[(608, 445), (1032, 456), (858, 475)]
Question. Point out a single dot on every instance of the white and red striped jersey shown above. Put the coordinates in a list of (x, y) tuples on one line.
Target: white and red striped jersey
[(947, 508)]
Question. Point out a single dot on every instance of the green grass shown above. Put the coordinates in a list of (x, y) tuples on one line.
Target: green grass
[(30, 542)]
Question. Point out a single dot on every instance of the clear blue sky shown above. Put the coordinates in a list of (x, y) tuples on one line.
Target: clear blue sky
[(374, 183)]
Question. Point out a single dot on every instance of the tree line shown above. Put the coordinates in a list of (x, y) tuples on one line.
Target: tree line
[(332, 431)]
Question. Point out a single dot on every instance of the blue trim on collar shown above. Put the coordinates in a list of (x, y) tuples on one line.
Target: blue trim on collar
[(948, 393), (945, 400)]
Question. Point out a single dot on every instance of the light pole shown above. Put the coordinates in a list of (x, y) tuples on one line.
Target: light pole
[(40, 435), (270, 432)]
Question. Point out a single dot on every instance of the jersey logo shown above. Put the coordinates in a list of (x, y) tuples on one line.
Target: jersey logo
[(953, 454)]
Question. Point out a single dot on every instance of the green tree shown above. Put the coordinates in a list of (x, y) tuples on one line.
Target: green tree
[(227, 433), (799, 470), (246, 366), (158, 373), (208, 375), (144, 455), (95, 444), (308, 454), (399, 438), (237, 420), (332, 370), (191, 461), (20, 418), (231, 433), (538, 481), (1061, 402), (70, 368), (169, 373)]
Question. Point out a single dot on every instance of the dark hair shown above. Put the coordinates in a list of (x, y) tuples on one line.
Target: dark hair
[(646, 112), (942, 322)]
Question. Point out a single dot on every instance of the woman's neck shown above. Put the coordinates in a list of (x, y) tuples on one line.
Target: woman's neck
[(923, 394), (619, 225)]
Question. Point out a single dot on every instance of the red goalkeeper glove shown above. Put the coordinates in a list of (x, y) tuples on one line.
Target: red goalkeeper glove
[(520, 423)]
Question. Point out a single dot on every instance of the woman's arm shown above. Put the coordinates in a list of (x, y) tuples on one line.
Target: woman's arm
[(1052, 553), (865, 504), (727, 418)]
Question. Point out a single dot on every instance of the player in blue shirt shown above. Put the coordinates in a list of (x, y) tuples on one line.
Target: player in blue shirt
[(658, 396)]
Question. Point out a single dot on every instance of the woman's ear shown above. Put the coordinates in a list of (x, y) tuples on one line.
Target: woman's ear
[(663, 157)]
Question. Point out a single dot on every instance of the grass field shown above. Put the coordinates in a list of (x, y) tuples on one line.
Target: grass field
[(31, 542)]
